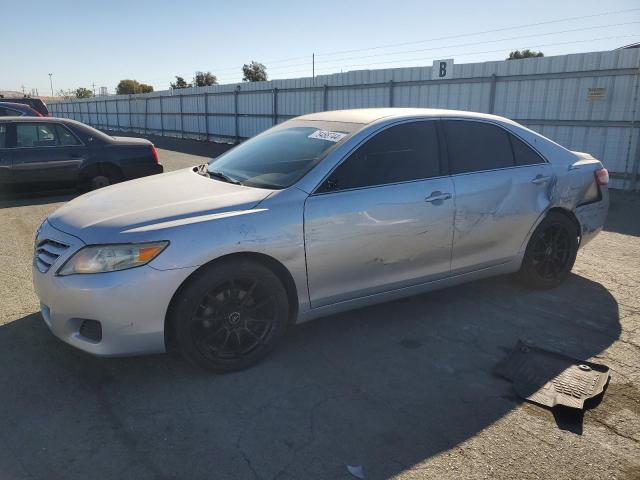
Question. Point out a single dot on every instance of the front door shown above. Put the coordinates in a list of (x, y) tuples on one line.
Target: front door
[(382, 220), (45, 152)]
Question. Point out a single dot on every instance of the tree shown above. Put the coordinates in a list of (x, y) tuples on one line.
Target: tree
[(254, 72), (144, 88), (126, 87), (204, 79), (82, 92), (526, 53), (180, 83), (66, 94)]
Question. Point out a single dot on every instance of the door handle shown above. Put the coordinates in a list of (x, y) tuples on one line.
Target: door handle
[(540, 179), (437, 197)]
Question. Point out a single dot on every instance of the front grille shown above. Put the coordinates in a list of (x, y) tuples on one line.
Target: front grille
[(47, 252)]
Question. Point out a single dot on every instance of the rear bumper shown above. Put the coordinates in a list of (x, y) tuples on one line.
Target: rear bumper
[(592, 217), (144, 170)]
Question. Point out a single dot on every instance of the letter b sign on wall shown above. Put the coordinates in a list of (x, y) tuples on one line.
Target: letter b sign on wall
[(442, 69)]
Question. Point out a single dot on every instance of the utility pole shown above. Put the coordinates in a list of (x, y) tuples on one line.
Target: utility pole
[(94, 88), (22, 86), (313, 67), (51, 83)]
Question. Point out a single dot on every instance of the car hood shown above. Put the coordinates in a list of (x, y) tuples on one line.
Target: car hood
[(128, 211)]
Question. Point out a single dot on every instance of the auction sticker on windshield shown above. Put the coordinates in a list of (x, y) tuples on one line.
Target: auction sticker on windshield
[(329, 136)]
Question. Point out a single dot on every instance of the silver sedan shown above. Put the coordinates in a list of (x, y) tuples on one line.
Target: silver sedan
[(320, 214)]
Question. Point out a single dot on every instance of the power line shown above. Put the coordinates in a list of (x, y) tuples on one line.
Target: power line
[(466, 53), (484, 42), (325, 69), (566, 19), (466, 44)]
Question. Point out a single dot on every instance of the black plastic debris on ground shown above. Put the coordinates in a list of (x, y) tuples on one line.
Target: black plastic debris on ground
[(550, 378)]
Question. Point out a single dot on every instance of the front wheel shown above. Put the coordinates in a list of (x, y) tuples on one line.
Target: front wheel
[(551, 252), (230, 315)]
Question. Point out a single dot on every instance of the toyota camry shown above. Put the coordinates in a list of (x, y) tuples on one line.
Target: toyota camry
[(320, 214)]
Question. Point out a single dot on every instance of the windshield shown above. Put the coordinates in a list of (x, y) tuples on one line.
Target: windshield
[(282, 155)]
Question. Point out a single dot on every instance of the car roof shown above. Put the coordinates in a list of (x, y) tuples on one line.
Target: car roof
[(40, 119), (370, 115)]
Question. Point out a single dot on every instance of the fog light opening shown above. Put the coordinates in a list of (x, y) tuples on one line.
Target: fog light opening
[(91, 330)]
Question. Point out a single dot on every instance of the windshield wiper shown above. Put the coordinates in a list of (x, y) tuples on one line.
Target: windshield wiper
[(202, 170), (224, 177)]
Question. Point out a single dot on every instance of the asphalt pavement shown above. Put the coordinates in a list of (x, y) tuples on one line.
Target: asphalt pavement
[(406, 389)]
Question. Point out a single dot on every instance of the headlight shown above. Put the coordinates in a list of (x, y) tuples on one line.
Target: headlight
[(35, 238), (111, 258)]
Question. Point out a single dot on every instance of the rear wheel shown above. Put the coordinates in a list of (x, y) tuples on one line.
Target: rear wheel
[(230, 315), (99, 176), (100, 181), (551, 252)]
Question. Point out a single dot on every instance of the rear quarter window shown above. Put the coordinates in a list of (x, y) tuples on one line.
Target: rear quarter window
[(523, 153)]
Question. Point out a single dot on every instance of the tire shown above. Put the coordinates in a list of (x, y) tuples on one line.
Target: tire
[(100, 180), (230, 315), (99, 176), (551, 252)]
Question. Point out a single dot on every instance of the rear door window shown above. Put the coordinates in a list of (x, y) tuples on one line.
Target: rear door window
[(36, 135), (3, 135), (65, 137), (401, 153), (477, 146)]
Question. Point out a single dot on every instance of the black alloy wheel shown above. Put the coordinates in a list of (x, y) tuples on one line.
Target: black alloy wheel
[(233, 319), (551, 252), (230, 315)]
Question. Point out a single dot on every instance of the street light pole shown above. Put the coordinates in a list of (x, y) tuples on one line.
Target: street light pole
[(51, 83)]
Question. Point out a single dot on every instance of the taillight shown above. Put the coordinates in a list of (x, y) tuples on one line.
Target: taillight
[(154, 152), (602, 176)]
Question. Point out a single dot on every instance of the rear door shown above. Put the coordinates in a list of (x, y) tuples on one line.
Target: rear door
[(382, 220), (45, 152), (502, 187)]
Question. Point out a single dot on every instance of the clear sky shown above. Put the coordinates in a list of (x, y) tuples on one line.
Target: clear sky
[(85, 42)]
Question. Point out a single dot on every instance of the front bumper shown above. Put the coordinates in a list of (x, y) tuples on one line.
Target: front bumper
[(130, 305)]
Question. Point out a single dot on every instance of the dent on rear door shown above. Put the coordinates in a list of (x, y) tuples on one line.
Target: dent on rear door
[(495, 211)]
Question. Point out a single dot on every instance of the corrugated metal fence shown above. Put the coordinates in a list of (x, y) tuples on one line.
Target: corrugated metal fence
[(586, 102)]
